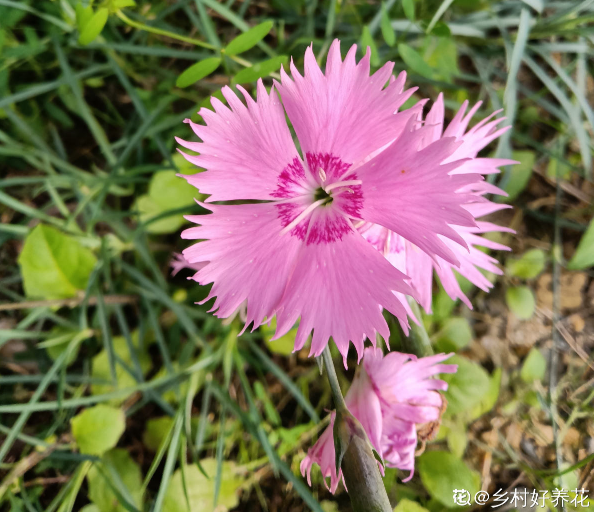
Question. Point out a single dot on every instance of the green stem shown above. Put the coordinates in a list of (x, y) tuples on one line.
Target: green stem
[(173, 35), (161, 32), (333, 379), (359, 466)]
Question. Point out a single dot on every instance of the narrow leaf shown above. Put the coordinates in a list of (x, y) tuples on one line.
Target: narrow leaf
[(198, 71), (248, 39), (93, 27), (387, 29), (409, 9), (414, 60), (368, 42), (260, 70), (83, 15)]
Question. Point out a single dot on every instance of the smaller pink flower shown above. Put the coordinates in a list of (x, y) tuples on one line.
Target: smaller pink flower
[(322, 453), (409, 396), (390, 397)]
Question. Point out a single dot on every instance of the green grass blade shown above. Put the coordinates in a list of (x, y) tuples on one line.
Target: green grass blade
[(169, 462), (286, 381), (84, 110)]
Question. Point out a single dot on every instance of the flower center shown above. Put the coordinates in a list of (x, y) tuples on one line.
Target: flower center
[(320, 194), (303, 190)]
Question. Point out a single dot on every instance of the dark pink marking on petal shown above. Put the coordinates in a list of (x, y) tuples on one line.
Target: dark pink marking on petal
[(327, 230), (291, 180), (333, 166)]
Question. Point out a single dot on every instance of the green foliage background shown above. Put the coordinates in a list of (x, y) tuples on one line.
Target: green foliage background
[(117, 392)]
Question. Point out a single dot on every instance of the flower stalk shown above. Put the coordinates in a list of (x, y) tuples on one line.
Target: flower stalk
[(354, 453)]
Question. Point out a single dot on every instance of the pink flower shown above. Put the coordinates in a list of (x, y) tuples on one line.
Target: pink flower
[(419, 265), (322, 453), (296, 253), (390, 397)]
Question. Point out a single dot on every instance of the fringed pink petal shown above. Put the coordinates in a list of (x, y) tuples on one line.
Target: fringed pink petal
[(244, 148), (410, 192), (345, 111), (248, 259), (357, 283)]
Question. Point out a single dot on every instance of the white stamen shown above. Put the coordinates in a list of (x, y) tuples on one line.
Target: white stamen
[(346, 183), (322, 174), (302, 215), (293, 199)]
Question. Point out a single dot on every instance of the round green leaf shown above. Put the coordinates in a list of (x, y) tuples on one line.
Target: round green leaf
[(101, 370), (170, 191), (91, 507), (260, 70), (120, 4), (167, 191), (198, 71), (405, 505), (101, 490), (329, 506), (520, 301), (457, 439), (201, 489), (443, 58), (584, 254), (466, 387), (148, 208), (64, 337), (247, 40), (93, 26), (534, 367), (156, 431), (414, 60), (442, 472), (455, 334), (54, 265), (489, 400), (98, 429), (283, 345), (528, 266)]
